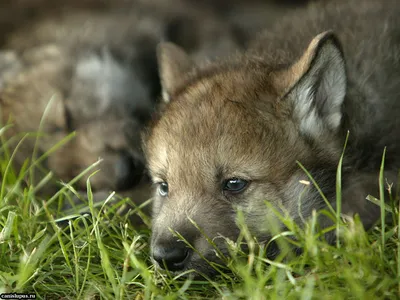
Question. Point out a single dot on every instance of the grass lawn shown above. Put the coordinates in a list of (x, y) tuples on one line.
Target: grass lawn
[(101, 256)]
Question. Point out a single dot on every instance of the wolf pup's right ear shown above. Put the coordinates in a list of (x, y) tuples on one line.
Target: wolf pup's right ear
[(173, 63), (10, 65), (316, 86)]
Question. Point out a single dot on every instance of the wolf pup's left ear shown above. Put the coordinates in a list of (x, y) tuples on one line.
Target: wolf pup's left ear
[(317, 86), (173, 63)]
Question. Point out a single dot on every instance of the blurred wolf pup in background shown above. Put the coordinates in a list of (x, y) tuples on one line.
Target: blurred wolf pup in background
[(94, 72), (230, 134)]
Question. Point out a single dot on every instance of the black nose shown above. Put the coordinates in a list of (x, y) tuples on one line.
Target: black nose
[(128, 171), (173, 257)]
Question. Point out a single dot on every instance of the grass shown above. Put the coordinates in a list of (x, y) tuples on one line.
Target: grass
[(100, 256)]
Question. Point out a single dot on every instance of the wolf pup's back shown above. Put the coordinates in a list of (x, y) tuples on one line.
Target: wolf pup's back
[(231, 133)]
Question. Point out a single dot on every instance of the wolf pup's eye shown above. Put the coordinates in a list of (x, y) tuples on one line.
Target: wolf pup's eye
[(235, 185), (163, 189)]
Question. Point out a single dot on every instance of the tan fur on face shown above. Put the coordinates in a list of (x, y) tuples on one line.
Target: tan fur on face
[(212, 131), (227, 124)]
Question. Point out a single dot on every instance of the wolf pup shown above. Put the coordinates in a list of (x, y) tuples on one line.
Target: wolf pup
[(96, 89), (231, 133)]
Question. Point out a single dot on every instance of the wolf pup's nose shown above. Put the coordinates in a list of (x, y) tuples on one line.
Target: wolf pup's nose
[(128, 171), (172, 256)]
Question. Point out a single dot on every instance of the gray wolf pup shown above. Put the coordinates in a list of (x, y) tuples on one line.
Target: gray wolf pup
[(231, 133)]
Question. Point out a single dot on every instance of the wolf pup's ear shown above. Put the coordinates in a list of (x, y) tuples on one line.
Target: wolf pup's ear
[(317, 84), (10, 65), (173, 63)]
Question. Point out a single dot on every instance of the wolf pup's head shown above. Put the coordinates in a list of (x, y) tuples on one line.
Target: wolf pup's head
[(228, 139)]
